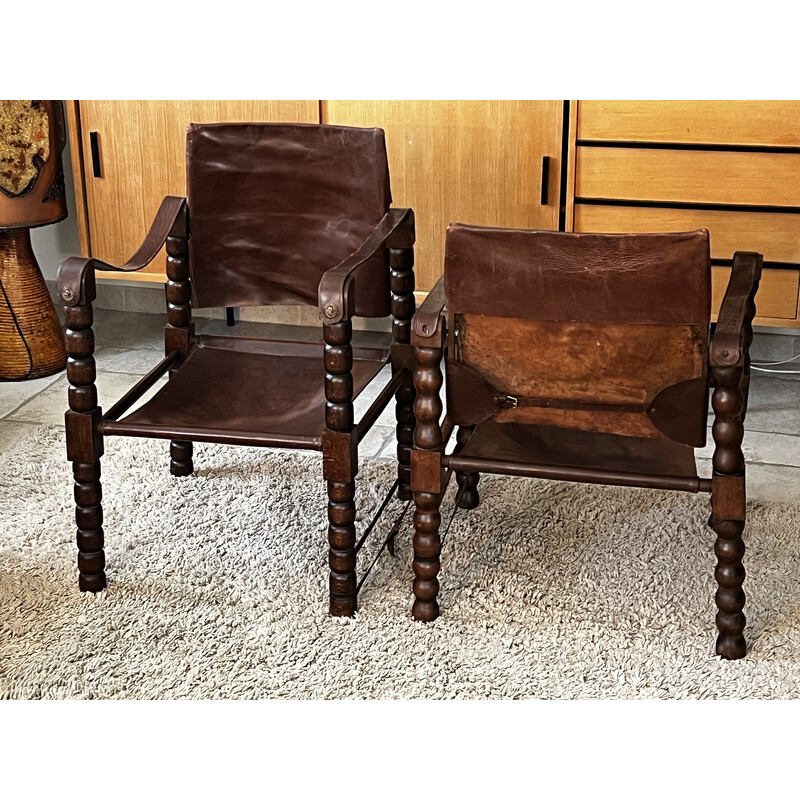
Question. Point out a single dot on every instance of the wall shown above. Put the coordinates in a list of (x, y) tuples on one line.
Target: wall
[(53, 243)]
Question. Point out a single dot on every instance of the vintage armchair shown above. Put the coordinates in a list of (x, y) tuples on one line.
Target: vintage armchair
[(583, 357), (274, 214)]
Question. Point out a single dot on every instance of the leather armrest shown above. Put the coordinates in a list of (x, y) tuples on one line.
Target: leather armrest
[(335, 286), (428, 318), (727, 344), (76, 275)]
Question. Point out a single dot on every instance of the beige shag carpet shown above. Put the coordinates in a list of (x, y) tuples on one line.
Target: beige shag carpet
[(218, 589)]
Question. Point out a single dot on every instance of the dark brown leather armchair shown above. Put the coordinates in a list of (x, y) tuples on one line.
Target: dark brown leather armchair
[(583, 357), (274, 214)]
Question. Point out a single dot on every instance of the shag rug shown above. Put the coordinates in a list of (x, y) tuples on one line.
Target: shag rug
[(218, 588)]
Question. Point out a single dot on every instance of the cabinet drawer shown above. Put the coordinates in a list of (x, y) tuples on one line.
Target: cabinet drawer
[(724, 122), (688, 176), (775, 235), (777, 292)]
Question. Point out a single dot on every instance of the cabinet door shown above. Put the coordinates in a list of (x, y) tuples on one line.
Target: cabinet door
[(478, 162), (142, 158)]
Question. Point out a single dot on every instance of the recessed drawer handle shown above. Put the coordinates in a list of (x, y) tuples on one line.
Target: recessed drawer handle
[(95, 146), (545, 178)]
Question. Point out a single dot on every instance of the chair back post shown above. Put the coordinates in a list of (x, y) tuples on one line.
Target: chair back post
[(401, 285), (427, 473), (731, 382), (179, 331)]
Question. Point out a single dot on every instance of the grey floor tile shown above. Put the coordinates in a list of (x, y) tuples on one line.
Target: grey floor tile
[(47, 406), (389, 451), (763, 448), (370, 393), (50, 405), (768, 482), (14, 393), (145, 300), (127, 329), (133, 362), (773, 406), (375, 442), (771, 347)]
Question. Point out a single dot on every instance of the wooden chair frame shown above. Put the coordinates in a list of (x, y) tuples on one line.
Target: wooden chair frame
[(87, 425), (729, 376)]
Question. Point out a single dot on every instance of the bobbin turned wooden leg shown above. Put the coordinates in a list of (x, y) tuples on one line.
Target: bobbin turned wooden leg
[(179, 331), (85, 442), (728, 509), (467, 481), (340, 464), (181, 463), (89, 518), (404, 413), (401, 282), (427, 519)]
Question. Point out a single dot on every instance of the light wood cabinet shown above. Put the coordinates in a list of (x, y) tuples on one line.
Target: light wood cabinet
[(141, 158), (632, 166), (478, 162), (481, 162), (730, 166)]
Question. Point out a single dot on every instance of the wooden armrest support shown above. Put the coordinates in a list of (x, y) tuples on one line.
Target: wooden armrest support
[(428, 319), (335, 298), (727, 346), (76, 275)]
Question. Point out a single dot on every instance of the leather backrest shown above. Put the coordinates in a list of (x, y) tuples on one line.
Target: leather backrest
[(605, 332), (273, 206)]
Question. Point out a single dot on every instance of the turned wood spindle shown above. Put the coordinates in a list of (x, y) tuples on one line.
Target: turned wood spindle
[(341, 493), (179, 332), (467, 481), (401, 282), (427, 519), (86, 448), (728, 515)]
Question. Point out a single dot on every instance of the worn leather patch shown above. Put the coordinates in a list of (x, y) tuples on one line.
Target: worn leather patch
[(649, 279), (273, 206)]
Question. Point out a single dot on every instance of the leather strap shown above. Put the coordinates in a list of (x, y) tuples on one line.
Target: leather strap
[(471, 399), (73, 275), (428, 316), (335, 286), (726, 346)]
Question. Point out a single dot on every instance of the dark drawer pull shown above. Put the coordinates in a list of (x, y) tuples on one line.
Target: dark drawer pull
[(545, 178), (94, 144)]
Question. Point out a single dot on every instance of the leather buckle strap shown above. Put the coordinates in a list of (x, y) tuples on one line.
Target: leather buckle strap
[(506, 401)]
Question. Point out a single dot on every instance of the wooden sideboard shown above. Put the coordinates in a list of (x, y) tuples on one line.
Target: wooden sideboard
[(140, 157), (481, 162), (730, 166), (617, 166)]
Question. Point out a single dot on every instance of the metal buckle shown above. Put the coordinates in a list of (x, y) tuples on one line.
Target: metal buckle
[(506, 401)]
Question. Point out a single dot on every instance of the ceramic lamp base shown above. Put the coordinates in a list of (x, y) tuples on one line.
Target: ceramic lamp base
[(31, 339)]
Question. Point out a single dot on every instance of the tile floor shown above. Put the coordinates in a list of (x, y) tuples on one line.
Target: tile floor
[(129, 344)]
